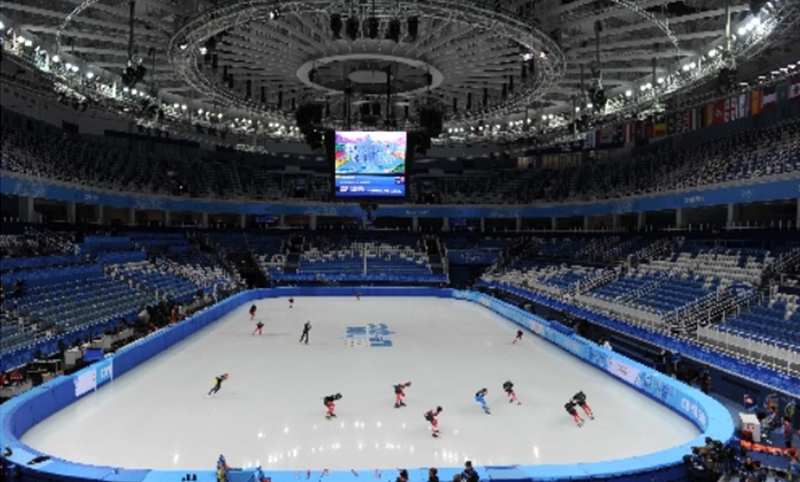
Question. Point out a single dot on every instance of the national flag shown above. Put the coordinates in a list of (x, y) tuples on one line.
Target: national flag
[(782, 93), (592, 139), (628, 133), (719, 112), (683, 121), (755, 101), (659, 129), (730, 109), (743, 109), (672, 124), (768, 98), (794, 90), (641, 131), (697, 118), (708, 118)]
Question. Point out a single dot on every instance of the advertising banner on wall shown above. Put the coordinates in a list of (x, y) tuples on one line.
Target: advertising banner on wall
[(622, 370), (94, 377)]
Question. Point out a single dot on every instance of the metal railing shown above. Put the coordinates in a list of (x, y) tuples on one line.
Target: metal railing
[(779, 356)]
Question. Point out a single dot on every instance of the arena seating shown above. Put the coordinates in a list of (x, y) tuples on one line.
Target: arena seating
[(151, 278), (776, 320), (661, 167), (374, 257), (59, 299)]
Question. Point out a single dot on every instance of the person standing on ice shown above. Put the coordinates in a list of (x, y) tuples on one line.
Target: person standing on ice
[(306, 330)]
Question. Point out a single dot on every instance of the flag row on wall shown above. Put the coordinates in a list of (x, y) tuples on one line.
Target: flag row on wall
[(726, 110)]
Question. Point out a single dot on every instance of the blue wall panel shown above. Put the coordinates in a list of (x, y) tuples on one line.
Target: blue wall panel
[(24, 411), (753, 192)]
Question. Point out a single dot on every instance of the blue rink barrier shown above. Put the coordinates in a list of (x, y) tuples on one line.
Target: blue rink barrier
[(21, 413)]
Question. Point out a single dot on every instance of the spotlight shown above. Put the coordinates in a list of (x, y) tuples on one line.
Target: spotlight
[(182, 46), (628, 93), (90, 75), (372, 27), (56, 59), (413, 28), (274, 14), (353, 26), (393, 33), (203, 50), (28, 43), (2, 25), (336, 25)]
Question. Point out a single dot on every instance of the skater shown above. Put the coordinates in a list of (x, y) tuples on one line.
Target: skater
[(518, 338), (259, 326), (306, 329), (580, 399), (217, 384), (570, 406), (253, 311), (358, 296), (430, 416), (512, 395), (291, 302), (399, 394), (329, 403), (480, 397)]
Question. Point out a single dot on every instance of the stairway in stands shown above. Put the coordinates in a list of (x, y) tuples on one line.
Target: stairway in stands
[(296, 246), (434, 250)]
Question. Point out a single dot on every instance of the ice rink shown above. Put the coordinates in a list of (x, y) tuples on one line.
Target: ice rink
[(270, 411)]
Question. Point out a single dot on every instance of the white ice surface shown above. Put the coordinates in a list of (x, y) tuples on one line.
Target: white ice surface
[(270, 411)]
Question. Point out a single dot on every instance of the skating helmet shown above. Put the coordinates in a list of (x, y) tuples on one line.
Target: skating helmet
[(338, 396), (438, 409)]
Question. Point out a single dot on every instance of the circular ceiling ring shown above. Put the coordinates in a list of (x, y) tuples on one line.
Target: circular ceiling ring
[(184, 45)]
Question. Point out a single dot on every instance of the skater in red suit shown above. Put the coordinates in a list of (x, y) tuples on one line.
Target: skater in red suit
[(329, 402), (291, 302), (580, 399), (430, 416), (518, 338), (259, 326), (252, 311), (400, 394), (570, 406), (512, 395)]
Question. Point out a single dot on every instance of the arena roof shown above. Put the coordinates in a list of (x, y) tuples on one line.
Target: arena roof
[(503, 64)]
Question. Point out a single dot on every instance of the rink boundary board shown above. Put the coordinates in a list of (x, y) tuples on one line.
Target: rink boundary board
[(21, 413)]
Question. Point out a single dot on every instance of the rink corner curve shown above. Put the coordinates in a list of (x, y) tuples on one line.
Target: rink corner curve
[(21, 413)]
